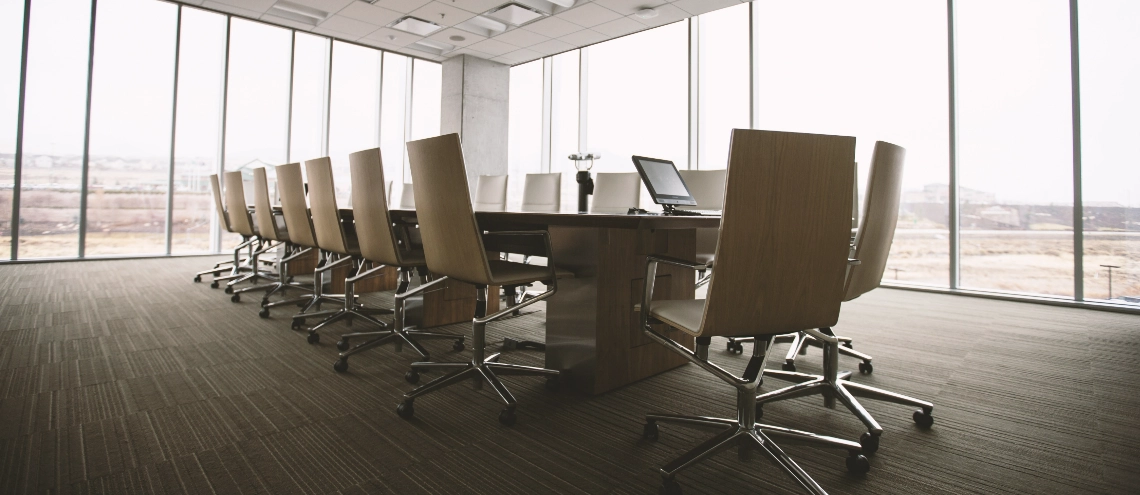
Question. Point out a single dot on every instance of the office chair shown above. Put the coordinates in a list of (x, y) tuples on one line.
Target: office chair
[(453, 247), (616, 193), (380, 245), (407, 197), (542, 193), (872, 245), (238, 263), (242, 223), (781, 259), (707, 187), (491, 193), (338, 249)]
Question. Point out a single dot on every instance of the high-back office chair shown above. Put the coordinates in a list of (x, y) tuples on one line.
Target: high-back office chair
[(453, 247), (407, 196), (491, 193), (542, 193), (781, 260), (380, 245), (616, 193), (707, 187), (242, 223), (872, 245), (223, 219)]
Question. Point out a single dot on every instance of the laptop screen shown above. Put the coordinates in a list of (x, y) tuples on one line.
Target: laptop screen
[(663, 181)]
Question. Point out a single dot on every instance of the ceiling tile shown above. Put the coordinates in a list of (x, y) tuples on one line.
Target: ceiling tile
[(478, 6), (348, 26), (552, 46), (330, 6), (450, 15), (231, 9), (584, 37), (469, 51), (378, 16), (552, 27), (521, 38), (380, 44), (697, 7), (665, 14), (445, 35), (403, 6), (393, 37), (589, 15), (626, 7), (334, 34), (281, 21), (493, 47), (254, 5), (517, 57), (620, 27)]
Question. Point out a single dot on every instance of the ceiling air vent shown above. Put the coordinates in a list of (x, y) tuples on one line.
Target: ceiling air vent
[(515, 14), (415, 25)]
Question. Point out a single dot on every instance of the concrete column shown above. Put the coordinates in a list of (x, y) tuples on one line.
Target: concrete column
[(474, 104)]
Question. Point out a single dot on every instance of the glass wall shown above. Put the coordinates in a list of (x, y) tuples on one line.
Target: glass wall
[(524, 137), (723, 88), (131, 105), (11, 43), (309, 110), (427, 93), (564, 119), (354, 109), (393, 110), (1110, 179), (1015, 155)]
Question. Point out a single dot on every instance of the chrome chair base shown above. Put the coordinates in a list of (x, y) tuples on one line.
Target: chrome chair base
[(834, 385), (351, 310), (800, 342)]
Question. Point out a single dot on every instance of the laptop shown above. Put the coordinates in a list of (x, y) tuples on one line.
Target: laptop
[(665, 185)]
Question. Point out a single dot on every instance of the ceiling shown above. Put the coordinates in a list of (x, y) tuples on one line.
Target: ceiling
[(584, 22)]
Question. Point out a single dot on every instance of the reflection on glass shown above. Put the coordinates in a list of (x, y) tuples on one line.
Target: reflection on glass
[(524, 137), (11, 39), (131, 104), (1015, 145), (54, 115), (1110, 74), (393, 99), (564, 124), (723, 86), (201, 67), (875, 70), (355, 109), (310, 93)]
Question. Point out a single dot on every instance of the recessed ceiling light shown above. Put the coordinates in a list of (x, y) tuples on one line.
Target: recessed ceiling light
[(415, 26), (456, 37), (515, 14), (646, 13), (299, 13)]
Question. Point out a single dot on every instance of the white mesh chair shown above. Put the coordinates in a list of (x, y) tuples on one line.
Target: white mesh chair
[(542, 193), (616, 193), (491, 193)]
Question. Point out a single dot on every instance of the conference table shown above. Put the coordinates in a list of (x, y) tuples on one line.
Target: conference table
[(592, 329)]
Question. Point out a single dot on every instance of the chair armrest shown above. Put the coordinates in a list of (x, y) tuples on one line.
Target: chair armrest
[(675, 261)]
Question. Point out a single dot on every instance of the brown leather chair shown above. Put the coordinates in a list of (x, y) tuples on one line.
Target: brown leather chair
[(453, 247), (872, 246), (242, 223), (380, 245), (781, 257), (237, 265)]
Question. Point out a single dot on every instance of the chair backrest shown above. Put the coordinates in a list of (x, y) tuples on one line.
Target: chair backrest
[(453, 244), (370, 210), (216, 187), (616, 193), (706, 186), (407, 197), (235, 198), (542, 193), (785, 235), (322, 202), (491, 193), (877, 231), (263, 209), (291, 188), (855, 197)]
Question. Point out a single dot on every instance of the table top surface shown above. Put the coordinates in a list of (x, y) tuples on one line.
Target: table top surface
[(568, 219)]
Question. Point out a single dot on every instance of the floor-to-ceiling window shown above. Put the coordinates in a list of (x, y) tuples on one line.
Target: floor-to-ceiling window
[(426, 104), (1015, 155), (309, 110), (724, 84), (11, 47), (355, 109), (1110, 179), (564, 119), (524, 136), (131, 107), (393, 113)]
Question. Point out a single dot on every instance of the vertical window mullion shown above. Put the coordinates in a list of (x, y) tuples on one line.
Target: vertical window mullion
[(955, 220), (1078, 194), (17, 170), (86, 134), (173, 134)]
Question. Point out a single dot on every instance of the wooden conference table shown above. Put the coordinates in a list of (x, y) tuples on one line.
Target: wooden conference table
[(592, 330)]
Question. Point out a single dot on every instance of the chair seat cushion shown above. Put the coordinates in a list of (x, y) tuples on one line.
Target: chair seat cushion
[(510, 273), (412, 258), (705, 258), (683, 314)]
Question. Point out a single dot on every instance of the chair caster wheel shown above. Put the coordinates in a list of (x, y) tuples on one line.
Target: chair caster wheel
[(791, 367), (458, 346), (197, 278), (736, 348), (670, 487), (314, 338), (235, 298), (923, 419), (406, 410), (214, 285), (264, 302), (858, 464), (729, 346), (507, 417), (869, 442), (342, 345), (552, 383), (341, 365), (297, 324), (650, 431), (866, 368), (412, 377), (264, 313), (229, 289)]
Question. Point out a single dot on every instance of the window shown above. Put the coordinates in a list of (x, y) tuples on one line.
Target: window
[(355, 109), (131, 105), (1110, 179), (524, 138), (54, 118), (11, 41), (1015, 145), (201, 76), (427, 87), (723, 89), (564, 109), (310, 97), (875, 70), (257, 101), (393, 110)]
